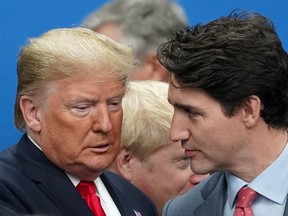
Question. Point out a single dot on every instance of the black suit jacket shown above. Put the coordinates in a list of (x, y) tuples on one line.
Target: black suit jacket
[(30, 184)]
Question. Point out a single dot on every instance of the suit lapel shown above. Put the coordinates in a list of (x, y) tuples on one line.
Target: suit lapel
[(64, 194), (286, 209), (214, 196), (118, 197), (51, 180)]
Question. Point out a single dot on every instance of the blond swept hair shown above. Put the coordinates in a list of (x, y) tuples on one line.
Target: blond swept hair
[(65, 52), (146, 117)]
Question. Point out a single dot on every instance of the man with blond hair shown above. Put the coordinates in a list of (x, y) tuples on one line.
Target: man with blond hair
[(68, 104), (148, 159)]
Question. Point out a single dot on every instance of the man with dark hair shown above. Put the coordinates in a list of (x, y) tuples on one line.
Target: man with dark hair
[(229, 89)]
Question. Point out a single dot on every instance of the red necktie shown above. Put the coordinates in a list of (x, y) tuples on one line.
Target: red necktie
[(87, 191), (246, 196)]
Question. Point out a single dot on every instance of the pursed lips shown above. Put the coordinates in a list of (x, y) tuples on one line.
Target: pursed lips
[(102, 147)]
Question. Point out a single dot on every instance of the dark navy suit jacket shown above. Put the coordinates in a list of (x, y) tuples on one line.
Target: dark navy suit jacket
[(31, 185)]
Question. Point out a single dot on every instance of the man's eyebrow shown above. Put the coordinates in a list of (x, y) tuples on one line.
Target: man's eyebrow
[(184, 106), (192, 109), (181, 106)]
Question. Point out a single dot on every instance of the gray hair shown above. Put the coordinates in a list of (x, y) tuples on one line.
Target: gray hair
[(145, 24)]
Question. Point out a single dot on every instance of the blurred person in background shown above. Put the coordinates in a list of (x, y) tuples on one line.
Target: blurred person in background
[(142, 24)]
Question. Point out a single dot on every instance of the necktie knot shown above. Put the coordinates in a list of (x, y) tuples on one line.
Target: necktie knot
[(246, 196), (86, 187), (87, 190)]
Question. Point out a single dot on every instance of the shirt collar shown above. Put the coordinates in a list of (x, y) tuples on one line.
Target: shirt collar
[(234, 185), (271, 183), (29, 137), (100, 187)]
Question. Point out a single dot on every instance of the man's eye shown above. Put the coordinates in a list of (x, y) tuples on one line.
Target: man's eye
[(191, 112), (81, 108), (188, 111), (115, 105)]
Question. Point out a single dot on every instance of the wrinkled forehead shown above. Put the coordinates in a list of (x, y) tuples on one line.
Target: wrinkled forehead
[(86, 85), (101, 78)]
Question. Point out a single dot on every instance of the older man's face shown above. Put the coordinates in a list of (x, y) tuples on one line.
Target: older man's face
[(81, 124)]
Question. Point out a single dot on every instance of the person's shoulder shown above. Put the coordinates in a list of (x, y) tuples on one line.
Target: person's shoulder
[(186, 203), (7, 211), (126, 190), (122, 184), (10, 169), (7, 158)]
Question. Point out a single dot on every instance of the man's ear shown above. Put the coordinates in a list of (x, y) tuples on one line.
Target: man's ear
[(159, 73), (123, 163), (252, 109), (31, 113)]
